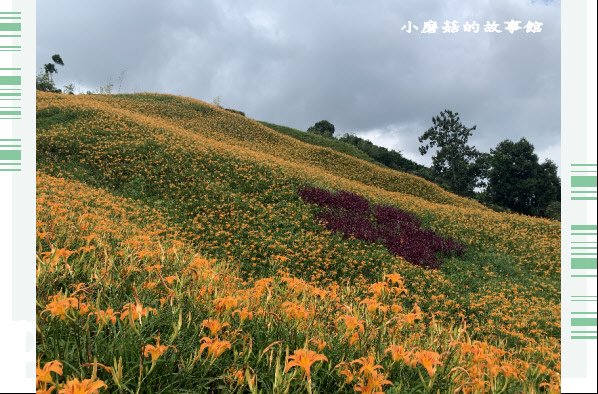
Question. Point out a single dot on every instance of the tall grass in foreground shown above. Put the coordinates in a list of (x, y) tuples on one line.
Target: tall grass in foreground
[(125, 306)]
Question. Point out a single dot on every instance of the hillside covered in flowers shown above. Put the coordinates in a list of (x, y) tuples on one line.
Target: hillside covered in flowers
[(185, 248)]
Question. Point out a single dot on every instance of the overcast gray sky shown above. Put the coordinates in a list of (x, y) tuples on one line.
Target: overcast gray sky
[(348, 61)]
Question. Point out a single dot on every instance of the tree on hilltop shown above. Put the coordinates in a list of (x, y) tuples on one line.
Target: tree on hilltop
[(44, 80), (323, 128), (459, 165), (518, 181)]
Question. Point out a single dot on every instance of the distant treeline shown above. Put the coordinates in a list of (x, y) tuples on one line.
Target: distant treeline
[(390, 158), (508, 178)]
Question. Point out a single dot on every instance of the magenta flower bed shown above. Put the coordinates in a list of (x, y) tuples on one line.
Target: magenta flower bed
[(400, 231)]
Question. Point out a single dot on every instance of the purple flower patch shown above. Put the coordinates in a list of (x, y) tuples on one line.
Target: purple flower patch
[(400, 231)]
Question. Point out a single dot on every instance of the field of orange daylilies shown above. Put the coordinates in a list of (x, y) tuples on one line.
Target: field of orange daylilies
[(174, 254)]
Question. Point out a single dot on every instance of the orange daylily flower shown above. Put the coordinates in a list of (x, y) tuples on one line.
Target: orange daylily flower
[(348, 374), (417, 314), (372, 305), (377, 289), (63, 253), (371, 380), (215, 347), (87, 249), (304, 359), (214, 326), (85, 308), (399, 353), (238, 376), (41, 234), (103, 317), (372, 384), (44, 375), (262, 285), (353, 327), (150, 285), (86, 386), (368, 365), (317, 292), (225, 303), (135, 311), (282, 259), (320, 343), (429, 360), (395, 279), (154, 268), (397, 282), (295, 311), (60, 305), (244, 314), (155, 351)]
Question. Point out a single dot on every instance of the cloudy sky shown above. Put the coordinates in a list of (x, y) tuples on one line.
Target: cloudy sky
[(352, 62)]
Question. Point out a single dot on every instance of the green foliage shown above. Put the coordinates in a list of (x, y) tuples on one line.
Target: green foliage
[(58, 60), (360, 148), (553, 210), (318, 140), (323, 128), (235, 111), (50, 68), (44, 80), (69, 89), (455, 162), (516, 180), (390, 158)]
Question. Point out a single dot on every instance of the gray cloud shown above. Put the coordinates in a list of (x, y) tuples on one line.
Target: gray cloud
[(297, 62)]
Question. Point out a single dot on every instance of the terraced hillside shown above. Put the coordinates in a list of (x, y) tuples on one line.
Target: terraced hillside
[(134, 188)]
